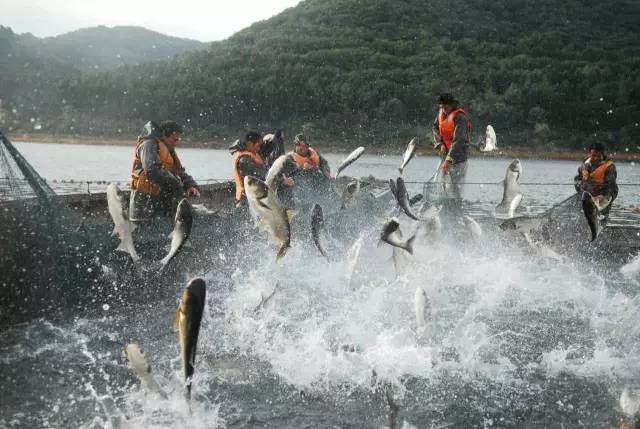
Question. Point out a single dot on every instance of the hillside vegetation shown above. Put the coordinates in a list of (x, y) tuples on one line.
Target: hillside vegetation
[(546, 74)]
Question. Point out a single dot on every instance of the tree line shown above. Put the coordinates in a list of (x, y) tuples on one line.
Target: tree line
[(545, 75)]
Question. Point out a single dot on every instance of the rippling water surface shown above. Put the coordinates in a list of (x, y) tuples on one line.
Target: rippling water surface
[(520, 337)]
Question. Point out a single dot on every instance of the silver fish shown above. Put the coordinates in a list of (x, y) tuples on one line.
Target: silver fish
[(409, 153), (265, 299), (511, 195), (389, 237), (122, 226), (275, 172), (349, 192), (352, 259), (353, 157), (265, 206), (138, 362), (591, 213), (188, 319), (422, 308), (181, 229), (402, 196), (490, 140), (473, 226), (317, 224), (392, 187)]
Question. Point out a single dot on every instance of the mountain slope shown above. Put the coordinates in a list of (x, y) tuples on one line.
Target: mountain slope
[(543, 73), (105, 48)]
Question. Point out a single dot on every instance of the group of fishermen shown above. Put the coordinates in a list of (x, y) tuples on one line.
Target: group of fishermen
[(159, 180)]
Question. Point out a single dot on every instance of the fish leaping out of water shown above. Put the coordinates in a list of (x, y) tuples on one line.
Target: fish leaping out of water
[(511, 195), (123, 227), (188, 319), (353, 157)]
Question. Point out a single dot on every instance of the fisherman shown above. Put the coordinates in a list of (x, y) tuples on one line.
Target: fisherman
[(312, 171), (452, 132), (158, 179), (597, 176), (247, 161)]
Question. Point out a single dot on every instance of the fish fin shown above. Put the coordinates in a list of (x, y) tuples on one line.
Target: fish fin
[(400, 170), (291, 213), (282, 251), (176, 321), (263, 205), (410, 244)]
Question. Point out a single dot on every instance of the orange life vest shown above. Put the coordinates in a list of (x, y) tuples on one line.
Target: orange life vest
[(236, 174), (313, 159), (447, 125), (139, 180), (597, 176)]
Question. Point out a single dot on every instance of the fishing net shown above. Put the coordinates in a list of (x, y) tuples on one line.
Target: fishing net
[(18, 179)]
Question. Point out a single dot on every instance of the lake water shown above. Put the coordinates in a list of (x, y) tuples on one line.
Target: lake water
[(113, 163), (521, 338)]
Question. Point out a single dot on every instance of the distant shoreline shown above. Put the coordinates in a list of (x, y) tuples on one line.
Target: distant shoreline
[(566, 155)]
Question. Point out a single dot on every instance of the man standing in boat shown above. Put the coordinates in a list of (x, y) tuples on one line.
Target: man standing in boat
[(452, 133), (597, 175), (158, 179)]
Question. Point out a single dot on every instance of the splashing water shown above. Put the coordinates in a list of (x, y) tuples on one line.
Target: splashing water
[(519, 340)]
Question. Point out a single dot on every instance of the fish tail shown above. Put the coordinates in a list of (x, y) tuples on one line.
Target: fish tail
[(282, 251), (410, 244)]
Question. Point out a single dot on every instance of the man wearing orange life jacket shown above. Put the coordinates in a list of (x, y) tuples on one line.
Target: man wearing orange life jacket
[(597, 175), (308, 159), (158, 179), (247, 161), (452, 132)]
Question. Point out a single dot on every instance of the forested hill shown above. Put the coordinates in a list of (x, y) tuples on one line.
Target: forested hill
[(101, 47), (544, 73)]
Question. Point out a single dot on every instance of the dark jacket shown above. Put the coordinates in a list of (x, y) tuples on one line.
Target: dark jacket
[(143, 206)]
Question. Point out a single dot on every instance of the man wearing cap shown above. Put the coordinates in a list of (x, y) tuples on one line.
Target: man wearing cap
[(452, 133), (308, 159), (158, 179), (247, 161), (597, 175)]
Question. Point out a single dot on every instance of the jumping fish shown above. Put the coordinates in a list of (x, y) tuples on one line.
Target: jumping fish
[(490, 140), (473, 226), (181, 229), (188, 318), (317, 223), (392, 187), (123, 227), (265, 299), (142, 369), (275, 172), (632, 267), (389, 237), (409, 153), (265, 205), (352, 258), (423, 312), (591, 213), (511, 196), (353, 157), (402, 196), (349, 192)]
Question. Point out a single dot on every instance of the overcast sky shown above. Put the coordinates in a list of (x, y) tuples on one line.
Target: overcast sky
[(195, 19)]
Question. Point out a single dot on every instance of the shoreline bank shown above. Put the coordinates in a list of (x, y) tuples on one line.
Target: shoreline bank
[(389, 149)]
